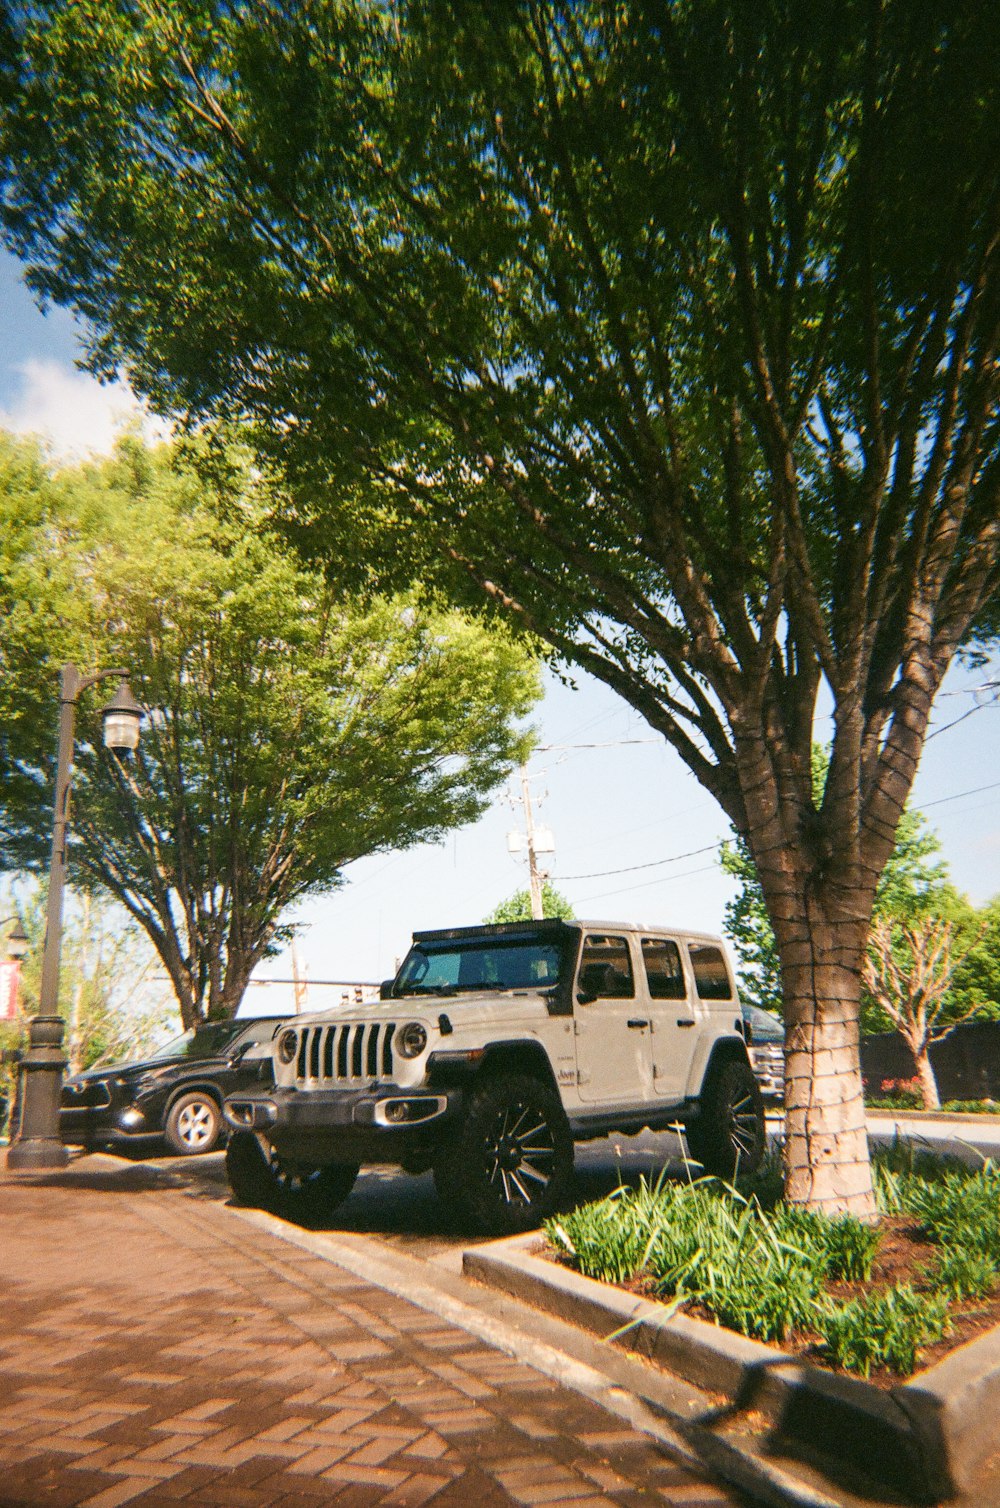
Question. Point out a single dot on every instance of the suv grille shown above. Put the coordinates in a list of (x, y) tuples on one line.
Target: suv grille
[(352, 1050), (88, 1095)]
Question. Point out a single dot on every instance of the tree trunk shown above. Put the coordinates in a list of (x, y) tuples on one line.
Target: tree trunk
[(826, 1140), (928, 1083)]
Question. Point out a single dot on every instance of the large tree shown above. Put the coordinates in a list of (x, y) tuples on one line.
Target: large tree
[(673, 329), (291, 729)]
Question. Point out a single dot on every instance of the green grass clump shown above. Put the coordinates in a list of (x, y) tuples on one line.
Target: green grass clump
[(955, 1206), (611, 1240), (962, 1274), (851, 1247), (883, 1329)]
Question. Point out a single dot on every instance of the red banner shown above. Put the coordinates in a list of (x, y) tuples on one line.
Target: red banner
[(9, 975)]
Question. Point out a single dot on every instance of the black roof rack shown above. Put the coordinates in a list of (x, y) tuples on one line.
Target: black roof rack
[(549, 926)]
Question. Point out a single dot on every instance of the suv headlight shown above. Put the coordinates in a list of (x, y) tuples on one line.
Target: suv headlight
[(411, 1039), (148, 1079), (288, 1045)]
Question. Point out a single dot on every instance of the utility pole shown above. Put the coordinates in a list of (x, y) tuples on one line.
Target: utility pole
[(537, 840), (301, 984), (535, 876)]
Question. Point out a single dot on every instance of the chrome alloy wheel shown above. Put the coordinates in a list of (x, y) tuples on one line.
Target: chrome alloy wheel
[(196, 1125), (520, 1153)]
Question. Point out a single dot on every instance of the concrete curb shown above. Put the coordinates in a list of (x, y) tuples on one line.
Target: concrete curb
[(928, 1437), (988, 1120)]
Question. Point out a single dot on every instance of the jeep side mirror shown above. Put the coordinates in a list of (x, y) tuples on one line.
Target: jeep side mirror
[(584, 997), (385, 989), (237, 1057)]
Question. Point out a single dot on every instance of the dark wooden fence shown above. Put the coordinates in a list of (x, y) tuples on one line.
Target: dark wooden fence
[(966, 1064)]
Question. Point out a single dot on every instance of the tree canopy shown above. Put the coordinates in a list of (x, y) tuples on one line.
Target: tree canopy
[(670, 331), (517, 907), (290, 729)]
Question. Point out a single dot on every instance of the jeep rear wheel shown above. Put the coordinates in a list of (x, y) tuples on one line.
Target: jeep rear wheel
[(728, 1137), (509, 1163), (260, 1179)]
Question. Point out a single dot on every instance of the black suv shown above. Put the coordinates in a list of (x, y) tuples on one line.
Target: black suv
[(177, 1093)]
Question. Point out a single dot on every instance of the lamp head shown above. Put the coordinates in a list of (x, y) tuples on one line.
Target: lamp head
[(122, 717), (18, 941)]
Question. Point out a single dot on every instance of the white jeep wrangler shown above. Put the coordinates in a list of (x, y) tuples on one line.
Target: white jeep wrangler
[(493, 1050)]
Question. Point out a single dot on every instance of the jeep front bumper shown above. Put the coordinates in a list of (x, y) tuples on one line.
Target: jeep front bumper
[(372, 1125)]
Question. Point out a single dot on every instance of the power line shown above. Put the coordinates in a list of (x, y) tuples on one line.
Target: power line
[(600, 874), (646, 884), (611, 743), (959, 794)]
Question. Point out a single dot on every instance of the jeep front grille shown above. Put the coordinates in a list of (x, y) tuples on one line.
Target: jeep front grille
[(348, 1051)]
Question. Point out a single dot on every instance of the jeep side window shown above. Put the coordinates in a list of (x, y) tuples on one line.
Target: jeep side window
[(606, 968), (664, 970), (711, 976)]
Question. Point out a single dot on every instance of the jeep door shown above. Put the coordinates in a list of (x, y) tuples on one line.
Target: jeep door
[(613, 1049), (674, 1018)]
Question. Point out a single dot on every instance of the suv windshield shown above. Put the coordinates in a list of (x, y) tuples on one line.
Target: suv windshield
[(202, 1041), (522, 963)]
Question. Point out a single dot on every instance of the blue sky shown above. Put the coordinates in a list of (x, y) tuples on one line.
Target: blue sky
[(619, 803)]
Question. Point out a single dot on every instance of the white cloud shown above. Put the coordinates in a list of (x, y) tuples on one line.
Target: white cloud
[(71, 412)]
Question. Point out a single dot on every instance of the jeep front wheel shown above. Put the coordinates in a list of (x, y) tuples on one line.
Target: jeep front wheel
[(728, 1137), (509, 1162), (260, 1179)]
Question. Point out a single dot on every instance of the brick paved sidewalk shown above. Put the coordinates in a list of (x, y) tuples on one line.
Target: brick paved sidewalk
[(158, 1350)]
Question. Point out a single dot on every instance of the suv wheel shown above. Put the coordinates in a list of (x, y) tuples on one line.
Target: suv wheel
[(509, 1164), (296, 1191), (728, 1136), (193, 1124)]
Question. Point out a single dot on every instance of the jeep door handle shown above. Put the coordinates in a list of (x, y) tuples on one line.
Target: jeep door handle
[(637, 1025), (684, 1021)]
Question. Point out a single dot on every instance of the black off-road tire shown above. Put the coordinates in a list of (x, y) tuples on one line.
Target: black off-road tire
[(193, 1124), (260, 1179), (508, 1164), (729, 1138)]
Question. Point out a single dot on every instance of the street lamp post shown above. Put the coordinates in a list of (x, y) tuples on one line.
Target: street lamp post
[(37, 1143)]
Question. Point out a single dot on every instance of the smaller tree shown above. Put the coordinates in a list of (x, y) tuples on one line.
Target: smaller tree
[(909, 970), (517, 908)]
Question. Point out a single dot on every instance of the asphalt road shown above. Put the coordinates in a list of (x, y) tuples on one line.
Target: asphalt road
[(405, 1212)]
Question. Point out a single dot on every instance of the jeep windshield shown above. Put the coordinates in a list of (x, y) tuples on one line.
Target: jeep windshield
[(457, 965)]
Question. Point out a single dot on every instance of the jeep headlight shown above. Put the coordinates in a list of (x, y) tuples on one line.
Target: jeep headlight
[(288, 1044), (411, 1039)]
